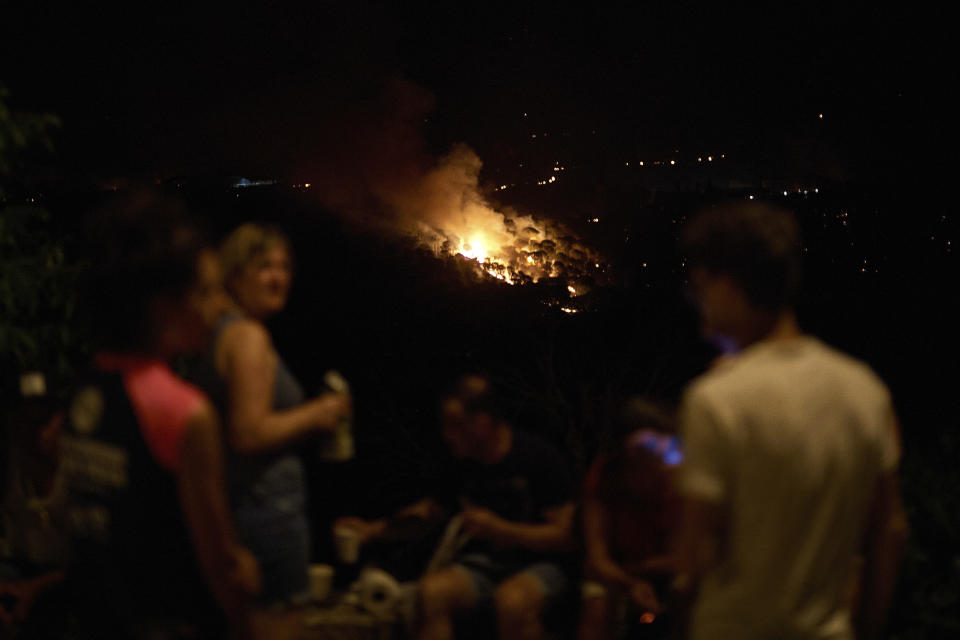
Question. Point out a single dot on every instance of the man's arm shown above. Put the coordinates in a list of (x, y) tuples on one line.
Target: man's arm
[(599, 563), (698, 542), (409, 522), (230, 570), (554, 534), (704, 481), (886, 534)]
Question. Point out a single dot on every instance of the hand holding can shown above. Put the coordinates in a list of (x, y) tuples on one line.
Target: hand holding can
[(339, 446)]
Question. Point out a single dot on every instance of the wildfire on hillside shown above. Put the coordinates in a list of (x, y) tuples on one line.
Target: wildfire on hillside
[(510, 247)]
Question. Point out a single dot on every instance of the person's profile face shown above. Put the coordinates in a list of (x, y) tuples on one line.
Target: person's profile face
[(715, 299), (209, 296), (204, 303), (264, 283), (462, 431)]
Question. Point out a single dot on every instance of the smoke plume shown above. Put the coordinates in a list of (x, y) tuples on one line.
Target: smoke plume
[(379, 171)]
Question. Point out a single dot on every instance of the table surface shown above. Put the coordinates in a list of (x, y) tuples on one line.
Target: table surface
[(336, 620)]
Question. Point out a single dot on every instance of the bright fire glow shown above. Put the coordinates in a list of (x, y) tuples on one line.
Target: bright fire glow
[(451, 215), (474, 249)]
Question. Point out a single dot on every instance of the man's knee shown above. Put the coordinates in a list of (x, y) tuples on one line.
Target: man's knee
[(595, 608), (444, 592), (519, 598)]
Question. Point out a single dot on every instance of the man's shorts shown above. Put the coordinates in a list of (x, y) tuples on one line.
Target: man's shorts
[(486, 573)]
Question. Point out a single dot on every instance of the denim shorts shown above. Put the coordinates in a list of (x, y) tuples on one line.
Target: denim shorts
[(271, 521), (486, 573)]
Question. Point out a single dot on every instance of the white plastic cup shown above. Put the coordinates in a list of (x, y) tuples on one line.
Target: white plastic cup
[(321, 581), (347, 543)]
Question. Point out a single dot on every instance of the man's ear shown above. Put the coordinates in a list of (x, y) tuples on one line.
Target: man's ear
[(485, 422), (732, 290)]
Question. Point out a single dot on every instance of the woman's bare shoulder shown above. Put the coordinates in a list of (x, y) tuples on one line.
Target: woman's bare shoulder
[(243, 338)]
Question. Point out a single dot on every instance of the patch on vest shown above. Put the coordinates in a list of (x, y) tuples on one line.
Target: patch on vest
[(94, 466), (89, 520), (86, 410)]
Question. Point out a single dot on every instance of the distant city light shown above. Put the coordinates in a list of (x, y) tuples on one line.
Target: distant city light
[(672, 162), (709, 158)]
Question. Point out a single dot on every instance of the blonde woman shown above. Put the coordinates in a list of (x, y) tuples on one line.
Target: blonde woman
[(266, 413)]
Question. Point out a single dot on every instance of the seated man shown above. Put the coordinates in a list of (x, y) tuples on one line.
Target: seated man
[(516, 509), (629, 512)]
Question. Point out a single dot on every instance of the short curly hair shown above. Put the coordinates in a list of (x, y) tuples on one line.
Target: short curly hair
[(247, 242), (756, 244)]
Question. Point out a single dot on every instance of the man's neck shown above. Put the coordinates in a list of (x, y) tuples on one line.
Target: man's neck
[(500, 445), (772, 327)]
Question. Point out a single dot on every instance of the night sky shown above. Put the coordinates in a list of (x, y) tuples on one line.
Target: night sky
[(269, 89)]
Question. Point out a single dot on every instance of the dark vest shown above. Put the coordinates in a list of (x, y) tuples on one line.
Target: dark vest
[(134, 564)]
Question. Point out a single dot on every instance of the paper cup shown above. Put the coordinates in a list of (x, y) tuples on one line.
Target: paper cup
[(321, 581), (347, 543)]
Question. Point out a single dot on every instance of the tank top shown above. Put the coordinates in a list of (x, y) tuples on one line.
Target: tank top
[(267, 490)]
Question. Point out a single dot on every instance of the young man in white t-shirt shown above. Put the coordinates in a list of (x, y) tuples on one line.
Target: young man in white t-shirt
[(793, 524)]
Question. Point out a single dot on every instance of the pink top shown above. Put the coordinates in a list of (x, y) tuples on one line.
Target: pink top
[(638, 515), (162, 402)]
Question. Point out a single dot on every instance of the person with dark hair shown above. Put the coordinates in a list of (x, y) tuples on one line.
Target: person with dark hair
[(267, 414), (142, 453), (34, 547), (791, 452), (514, 499), (629, 512)]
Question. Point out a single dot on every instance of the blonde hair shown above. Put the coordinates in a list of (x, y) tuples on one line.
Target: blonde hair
[(247, 242)]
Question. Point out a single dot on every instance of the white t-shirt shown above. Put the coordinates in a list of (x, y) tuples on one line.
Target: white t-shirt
[(791, 436)]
